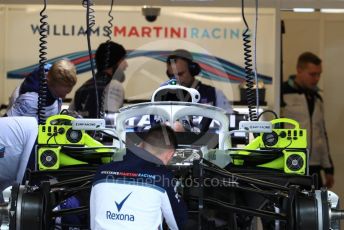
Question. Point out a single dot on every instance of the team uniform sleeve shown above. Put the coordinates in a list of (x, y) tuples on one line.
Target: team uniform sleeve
[(24, 105), (14, 96), (93, 201), (92, 209), (113, 96), (173, 208), (222, 101), (17, 139), (326, 161)]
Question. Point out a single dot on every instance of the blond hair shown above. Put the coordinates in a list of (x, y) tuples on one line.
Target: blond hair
[(63, 72)]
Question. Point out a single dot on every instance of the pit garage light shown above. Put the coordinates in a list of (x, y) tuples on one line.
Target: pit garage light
[(191, 0), (332, 11), (303, 10)]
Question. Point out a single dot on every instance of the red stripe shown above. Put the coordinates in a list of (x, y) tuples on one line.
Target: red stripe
[(81, 59), (219, 72)]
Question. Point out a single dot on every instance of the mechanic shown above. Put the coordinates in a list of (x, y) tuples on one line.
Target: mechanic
[(181, 66), (111, 64), (17, 138), (302, 101), (138, 192), (61, 78), (17, 141)]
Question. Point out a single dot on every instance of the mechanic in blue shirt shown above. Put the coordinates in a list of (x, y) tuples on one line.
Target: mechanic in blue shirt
[(182, 67), (139, 192), (61, 78)]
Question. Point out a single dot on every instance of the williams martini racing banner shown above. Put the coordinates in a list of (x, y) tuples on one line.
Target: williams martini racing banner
[(213, 36)]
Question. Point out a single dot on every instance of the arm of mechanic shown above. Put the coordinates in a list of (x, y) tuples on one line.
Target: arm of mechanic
[(17, 138), (173, 207)]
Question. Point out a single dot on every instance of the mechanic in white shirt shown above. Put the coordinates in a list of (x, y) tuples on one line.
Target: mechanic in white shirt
[(139, 192), (17, 139)]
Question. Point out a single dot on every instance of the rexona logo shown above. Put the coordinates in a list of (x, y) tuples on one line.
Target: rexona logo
[(120, 216)]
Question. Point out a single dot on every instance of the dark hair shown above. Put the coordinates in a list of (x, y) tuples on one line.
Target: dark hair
[(194, 68), (161, 136), (109, 54), (307, 57), (180, 53)]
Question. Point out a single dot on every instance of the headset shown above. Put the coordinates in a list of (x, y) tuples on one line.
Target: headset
[(193, 67)]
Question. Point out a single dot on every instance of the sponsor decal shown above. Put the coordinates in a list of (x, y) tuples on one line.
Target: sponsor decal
[(129, 174), (120, 204), (157, 31), (120, 216)]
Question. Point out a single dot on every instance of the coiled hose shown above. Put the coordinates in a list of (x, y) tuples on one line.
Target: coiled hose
[(90, 22), (250, 92), (43, 87), (108, 31)]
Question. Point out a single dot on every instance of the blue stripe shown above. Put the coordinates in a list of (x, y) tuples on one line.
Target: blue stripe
[(217, 63)]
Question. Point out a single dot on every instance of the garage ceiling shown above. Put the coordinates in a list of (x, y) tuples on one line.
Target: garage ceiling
[(207, 3)]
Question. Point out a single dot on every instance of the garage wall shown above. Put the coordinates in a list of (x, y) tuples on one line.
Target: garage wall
[(2, 52), (302, 33), (333, 53), (209, 32), (322, 34)]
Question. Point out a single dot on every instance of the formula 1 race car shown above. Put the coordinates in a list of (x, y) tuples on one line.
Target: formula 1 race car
[(263, 184)]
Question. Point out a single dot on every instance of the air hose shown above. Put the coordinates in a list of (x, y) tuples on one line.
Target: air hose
[(250, 92), (43, 87), (90, 22), (108, 31)]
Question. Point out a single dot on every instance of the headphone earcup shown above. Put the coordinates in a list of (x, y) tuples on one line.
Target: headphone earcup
[(194, 68), (169, 75)]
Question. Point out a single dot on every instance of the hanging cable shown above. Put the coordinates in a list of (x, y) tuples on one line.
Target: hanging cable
[(255, 55), (250, 93), (268, 111), (90, 22), (108, 32), (108, 29), (43, 87)]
